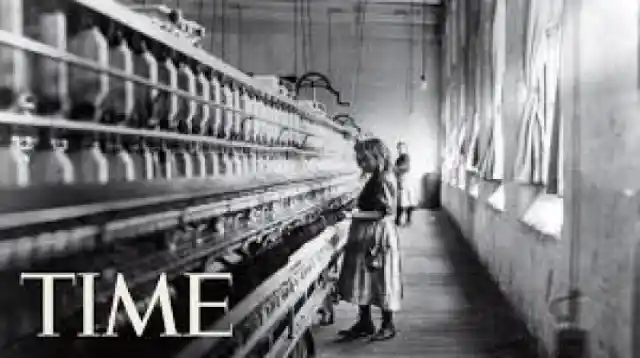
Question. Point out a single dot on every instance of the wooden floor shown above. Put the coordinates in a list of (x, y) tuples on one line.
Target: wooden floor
[(450, 307)]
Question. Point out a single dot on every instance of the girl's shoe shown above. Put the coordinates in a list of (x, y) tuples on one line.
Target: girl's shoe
[(387, 331), (358, 330)]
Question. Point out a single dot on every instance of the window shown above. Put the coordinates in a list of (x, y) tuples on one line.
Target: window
[(463, 132), (540, 153), (492, 166), (449, 48), (446, 122), (456, 133), (480, 153), (472, 149), (454, 32), (459, 166), (453, 151), (462, 25), (554, 162), (539, 159)]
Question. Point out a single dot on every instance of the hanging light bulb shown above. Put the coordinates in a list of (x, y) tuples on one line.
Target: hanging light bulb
[(423, 78), (423, 83)]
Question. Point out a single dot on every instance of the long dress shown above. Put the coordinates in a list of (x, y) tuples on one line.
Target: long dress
[(359, 284), (405, 194)]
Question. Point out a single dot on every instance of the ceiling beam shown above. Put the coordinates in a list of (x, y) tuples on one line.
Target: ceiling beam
[(340, 3), (382, 11), (251, 15), (371, 37)]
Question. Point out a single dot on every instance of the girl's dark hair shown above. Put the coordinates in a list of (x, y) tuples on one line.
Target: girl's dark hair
[(378, 150)]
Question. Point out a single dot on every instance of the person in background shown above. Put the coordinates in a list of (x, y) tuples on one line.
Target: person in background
[(370, 273), (405, 195)]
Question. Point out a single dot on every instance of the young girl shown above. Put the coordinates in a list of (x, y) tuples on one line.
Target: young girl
[(371, 266), (405, 194)]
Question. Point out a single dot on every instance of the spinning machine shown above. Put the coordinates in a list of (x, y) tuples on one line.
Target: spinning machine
[(127, 148)]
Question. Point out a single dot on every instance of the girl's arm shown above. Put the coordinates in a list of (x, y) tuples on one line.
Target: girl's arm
[(372, 215), (385, 201), (388, 195)]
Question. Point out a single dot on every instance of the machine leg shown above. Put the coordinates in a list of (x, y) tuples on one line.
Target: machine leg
[(327, 312), (304, 348)]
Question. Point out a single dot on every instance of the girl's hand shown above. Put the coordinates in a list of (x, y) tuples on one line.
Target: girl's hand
[(373, 215)]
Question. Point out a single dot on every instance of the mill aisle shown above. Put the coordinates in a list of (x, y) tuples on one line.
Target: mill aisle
[(451, 308)]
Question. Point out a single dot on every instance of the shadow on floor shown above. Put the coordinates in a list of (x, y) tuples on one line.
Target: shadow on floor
[(507, 335)]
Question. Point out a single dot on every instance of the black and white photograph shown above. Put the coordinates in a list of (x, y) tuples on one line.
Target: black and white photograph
[(319, 178)]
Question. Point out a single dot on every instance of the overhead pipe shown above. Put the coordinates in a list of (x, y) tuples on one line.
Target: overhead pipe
[(344, 119), (314, 80)]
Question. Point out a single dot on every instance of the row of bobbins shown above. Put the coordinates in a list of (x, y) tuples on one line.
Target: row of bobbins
[(159, 90)]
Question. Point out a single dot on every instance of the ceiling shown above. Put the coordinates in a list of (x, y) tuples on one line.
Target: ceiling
[(383, 19), (391, 12)]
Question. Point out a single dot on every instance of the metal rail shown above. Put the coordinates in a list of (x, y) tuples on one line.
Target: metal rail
[(166, 192), (70, 125), (147, 268), (24, 43), (52, 243), (303, 270)]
